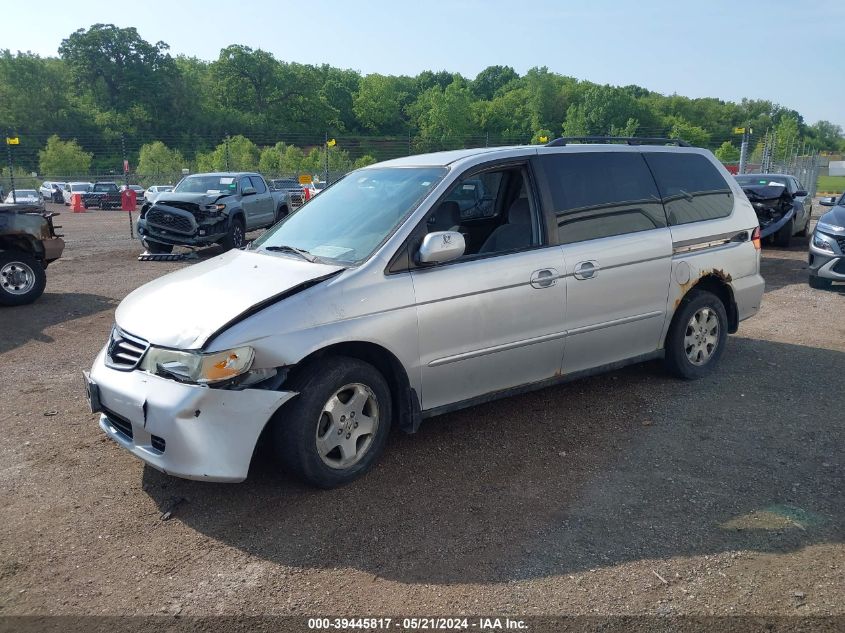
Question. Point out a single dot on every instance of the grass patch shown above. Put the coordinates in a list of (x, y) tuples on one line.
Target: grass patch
[(833, 184)]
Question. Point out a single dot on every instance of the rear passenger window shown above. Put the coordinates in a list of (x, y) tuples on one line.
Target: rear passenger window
[(600, 194), (691, 187), (258, 183)]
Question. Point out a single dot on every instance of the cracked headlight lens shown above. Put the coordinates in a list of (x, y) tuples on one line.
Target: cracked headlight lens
[(196, 367)]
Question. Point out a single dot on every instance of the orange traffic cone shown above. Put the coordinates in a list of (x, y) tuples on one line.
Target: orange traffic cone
[(76, 203)]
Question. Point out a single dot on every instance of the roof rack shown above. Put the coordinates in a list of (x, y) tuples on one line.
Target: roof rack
[(630, 140)]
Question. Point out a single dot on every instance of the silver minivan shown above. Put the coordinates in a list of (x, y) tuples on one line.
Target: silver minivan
[(422, 285)]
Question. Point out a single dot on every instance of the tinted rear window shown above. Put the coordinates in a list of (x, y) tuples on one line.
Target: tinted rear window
[(600, 194), (691, 187)]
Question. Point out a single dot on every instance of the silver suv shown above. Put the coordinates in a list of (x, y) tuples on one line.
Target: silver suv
[(385, 300)]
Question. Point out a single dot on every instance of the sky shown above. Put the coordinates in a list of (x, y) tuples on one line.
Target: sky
[(785, 51)]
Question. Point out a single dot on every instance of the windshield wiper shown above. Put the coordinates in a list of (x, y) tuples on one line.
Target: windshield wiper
[(292, 249)]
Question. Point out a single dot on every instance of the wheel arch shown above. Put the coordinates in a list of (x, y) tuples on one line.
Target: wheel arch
[(404, 398), (716, 283)]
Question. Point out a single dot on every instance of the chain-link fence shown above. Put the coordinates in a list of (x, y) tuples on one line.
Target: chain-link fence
[(787, 156)]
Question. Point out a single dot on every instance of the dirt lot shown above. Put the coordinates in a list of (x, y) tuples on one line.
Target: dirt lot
[(629, 493)]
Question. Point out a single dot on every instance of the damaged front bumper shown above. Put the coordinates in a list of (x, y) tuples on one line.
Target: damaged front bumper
[(177, 226), (188, 431)]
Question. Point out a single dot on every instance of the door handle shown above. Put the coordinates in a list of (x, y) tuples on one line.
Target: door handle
[(544, 278), (587, 270)]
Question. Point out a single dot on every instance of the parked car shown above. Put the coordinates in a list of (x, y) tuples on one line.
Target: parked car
[(781, 203), (206, 209), (352, 315), (51, 190), (25, 196), (827, 246), (28, 244), (152, 192), (75, 187), (103, 195)]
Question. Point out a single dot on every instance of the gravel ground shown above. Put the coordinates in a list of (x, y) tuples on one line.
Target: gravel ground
[(628, 493)]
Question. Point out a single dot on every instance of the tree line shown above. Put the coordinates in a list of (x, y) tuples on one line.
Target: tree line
[(110, 93)]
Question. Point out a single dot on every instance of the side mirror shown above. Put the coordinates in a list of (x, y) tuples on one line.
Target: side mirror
[(248, 191), (441, 246), (828, 202), (799, 194)]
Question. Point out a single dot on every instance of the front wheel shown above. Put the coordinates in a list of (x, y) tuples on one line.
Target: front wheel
[(783, 236), (22, 278), (336, 428), (697, 335), (236, 236), (157, 248)]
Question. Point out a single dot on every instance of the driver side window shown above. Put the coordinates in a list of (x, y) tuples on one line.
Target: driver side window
[(494, 211)]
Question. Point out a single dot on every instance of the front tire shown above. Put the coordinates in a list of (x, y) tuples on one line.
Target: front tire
[(22, 278), (157, 248), (783, 236), (236, 237), (337, 426), (697, 335)]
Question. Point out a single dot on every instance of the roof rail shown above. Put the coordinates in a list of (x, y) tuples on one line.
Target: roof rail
[(630, 140)]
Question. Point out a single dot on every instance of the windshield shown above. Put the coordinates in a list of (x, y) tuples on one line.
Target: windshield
[(758, 180), (105, 187), (207, 184), (80, 186), (349, 221), (26, 193)]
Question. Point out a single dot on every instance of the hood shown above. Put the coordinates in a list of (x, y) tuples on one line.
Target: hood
[(186, 308), (194, 198), (834, 217)]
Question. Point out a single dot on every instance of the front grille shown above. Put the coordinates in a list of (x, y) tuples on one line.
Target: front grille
[(169, 221), (123, 425), (125, 351)]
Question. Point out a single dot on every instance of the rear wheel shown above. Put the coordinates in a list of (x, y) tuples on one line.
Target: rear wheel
[(281, 212), (336, 428), (157, 248), (697, 335), (236, 237), (22, 278), (820, 283), (806, 230), (783, 236)]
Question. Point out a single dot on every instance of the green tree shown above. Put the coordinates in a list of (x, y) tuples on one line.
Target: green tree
[(363, 161), (240, 155), (379, 102), (271, 159), (443, 117), (156, 159), (492, 79), (692, 134), (63, 158), (727, 153)]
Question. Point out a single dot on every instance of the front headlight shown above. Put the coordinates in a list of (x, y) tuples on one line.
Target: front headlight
[(215, 207), (196, 367), (821, 244)]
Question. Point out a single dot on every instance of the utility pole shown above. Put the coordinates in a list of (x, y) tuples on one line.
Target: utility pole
[(743, 150), (11, 140), (326, 165), (126, 180)]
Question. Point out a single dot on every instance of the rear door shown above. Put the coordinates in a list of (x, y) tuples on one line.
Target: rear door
[(493, 319), (618, 252), (264, 202)]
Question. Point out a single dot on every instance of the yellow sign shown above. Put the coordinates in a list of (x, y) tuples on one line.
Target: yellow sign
[(305, 179), (739, 130), (331, 142), (13, 140), (543, 139)]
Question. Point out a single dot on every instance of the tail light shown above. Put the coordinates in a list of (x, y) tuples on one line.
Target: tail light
[(755, 238)]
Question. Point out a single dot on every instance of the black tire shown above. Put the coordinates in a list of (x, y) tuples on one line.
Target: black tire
[(806, 230), (677, 354), (295, 434), (157, 248), (22, 278), (236, 237), (820, 283), (783, 236), (281, 212)]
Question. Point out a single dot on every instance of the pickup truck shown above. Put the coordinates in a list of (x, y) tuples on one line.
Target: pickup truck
[(103, 195), (215, 208)]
